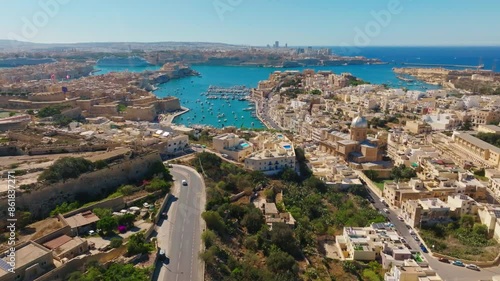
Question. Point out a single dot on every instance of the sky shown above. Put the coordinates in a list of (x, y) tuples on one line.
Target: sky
[(255, 22)]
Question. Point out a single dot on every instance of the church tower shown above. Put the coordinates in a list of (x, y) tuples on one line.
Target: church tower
[(359, 128)]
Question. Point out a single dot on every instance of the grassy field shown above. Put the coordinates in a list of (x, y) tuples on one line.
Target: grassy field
[(380, 184), (4, 114), (451, 246)]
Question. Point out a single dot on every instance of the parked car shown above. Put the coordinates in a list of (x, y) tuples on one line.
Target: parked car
[(458, 263), (445, 260), (400, 218), (423, 248), (473, 267), (386, 210), (403, 240), (416, 238)]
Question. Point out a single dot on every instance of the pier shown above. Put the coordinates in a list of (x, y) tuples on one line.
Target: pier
[(481, 66)]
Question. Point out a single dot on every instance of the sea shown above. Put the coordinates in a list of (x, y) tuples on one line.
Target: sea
[(239, 113)]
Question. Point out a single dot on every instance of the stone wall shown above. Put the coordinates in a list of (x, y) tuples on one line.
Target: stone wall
[(59, 96), (40, 201), (76, 264), (168, 104), (103, 110), (136, 113)]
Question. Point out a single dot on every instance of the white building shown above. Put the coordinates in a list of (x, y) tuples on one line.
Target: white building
[(442, 121), (275, 152)]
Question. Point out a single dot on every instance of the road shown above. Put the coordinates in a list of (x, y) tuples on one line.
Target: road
[(180, 233), (263, 109), (448, 272)]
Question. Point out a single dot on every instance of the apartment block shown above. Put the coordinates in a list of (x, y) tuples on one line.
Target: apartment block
[(427, 211), (275, 152), (235, 147)]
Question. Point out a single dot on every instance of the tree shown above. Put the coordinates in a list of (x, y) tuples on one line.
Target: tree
[(282, 236), (158, 184), (24, 218), (126, 220), (371, 174), (214, 222), (102, 212), (289, 175), (127, 189), (480, 230), (253, 220), (66, 168), (316, 92), (209, 238), (315, 184), (466, 222), (116, 242), (466, 126), (137, 245), (281, 262), (107, 225)]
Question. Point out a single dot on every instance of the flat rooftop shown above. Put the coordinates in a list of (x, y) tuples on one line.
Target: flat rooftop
[(82, 219), (25, 255)]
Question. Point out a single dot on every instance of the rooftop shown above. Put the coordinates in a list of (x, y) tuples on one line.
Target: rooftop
[(82, 219), (477, 142), (25, 255)]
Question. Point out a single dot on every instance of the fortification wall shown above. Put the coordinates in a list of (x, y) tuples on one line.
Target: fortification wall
[(140, 113), (103, 110), (44, 199), (168, 104), (58, 96)]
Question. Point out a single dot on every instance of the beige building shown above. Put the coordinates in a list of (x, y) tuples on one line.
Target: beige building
[(31, 261), (65, 247), (411, 271), (353, 147), (396, 194), (232, 145), (176, 144), (484, 117), (275, 152), (427, 211), (417, 127), (488, 153), (491, 129), (371, 243)]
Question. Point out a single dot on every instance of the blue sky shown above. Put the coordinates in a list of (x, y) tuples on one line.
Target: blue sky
[(255, 22)]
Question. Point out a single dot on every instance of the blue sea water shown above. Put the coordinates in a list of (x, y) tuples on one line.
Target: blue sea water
[(188, 89)]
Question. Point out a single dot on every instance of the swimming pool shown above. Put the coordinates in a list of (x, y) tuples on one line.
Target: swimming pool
[(244, 145), (287, 146)]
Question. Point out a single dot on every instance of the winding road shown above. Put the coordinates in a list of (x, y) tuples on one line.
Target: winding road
[(179, 234)]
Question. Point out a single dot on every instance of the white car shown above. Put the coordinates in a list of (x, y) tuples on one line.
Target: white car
[(184, 182), (472, 266)]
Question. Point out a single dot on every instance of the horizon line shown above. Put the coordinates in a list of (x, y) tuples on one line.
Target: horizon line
[(247, 45)]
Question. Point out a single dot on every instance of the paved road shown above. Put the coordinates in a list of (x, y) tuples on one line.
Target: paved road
[(448, 272), (180, 234), (264, 108)]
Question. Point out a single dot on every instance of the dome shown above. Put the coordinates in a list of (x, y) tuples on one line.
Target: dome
[(359, 122)]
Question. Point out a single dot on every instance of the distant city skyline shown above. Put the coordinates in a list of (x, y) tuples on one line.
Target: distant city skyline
[(255, 22)]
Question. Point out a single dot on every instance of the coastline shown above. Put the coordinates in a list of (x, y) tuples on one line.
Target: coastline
[(169, 118)]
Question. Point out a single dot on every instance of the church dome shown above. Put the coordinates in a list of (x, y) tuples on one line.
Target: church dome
[(359, 122)]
